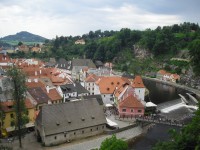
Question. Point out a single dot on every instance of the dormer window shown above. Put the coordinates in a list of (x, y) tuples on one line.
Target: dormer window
[(83, 119), (69, 121), (57, 123), (108, 89), (92, 117), (118, 83), (112, 83)]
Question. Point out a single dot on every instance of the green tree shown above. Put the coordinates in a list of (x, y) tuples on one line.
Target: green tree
[(19, 95), (113, 144), (20, 43), (194, 52)]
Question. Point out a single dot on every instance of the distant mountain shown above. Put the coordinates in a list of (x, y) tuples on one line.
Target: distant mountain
[(23, 36)]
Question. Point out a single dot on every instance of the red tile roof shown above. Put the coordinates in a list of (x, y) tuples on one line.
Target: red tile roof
[(138, 83), (162, 72), (92, 78), (7, 106), (53, 94), (107, 85), (4, 58), (33, 84), (131, 102)]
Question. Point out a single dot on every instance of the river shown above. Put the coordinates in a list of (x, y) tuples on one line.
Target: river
[(158, 94)]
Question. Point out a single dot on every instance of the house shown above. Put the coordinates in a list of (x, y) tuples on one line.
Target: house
[(160, 74), (175, 78), (166, 76), (65, 122), (6, 88), (139, 87), (51, 63), (81, 41), (63, 64), (99, 64), (36, 49), (72, 91), (5, 60), (47, 89), (106, 87), (7, 108), (130, 107), (38, 97), (78, 64), (89, 83), (23, 48)]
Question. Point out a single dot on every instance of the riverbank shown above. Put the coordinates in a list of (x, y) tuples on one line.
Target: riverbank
[(197, 92)]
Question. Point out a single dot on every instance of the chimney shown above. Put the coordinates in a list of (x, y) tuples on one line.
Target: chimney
[(47, 88), (36, 80)]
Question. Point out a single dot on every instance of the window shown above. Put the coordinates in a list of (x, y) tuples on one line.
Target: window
[(92, 93), (104, 95), (123, 110), (74, 133), (88, 88), (139, 111), (97, 128), (132, 110), (93, 89), (65, 135), (139, 91), (102, 127), (90, 129), (11, 116), (55, 137), (82, 131)]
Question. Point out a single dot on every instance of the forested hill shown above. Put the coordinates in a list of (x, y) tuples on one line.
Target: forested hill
[(23, 36), (112, 45)]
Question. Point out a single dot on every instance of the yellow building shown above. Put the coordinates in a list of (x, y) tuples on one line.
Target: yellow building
[(8, 115)]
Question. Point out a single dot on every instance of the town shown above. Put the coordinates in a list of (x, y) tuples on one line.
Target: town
[(68, 101)]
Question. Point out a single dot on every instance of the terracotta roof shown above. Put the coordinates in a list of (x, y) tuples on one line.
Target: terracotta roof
[(131, 102), (107, 85), (138, 83), (92, 78), (176, 76), (4, 58), (33, 84), (119, 90), (162, 72), (28, 103), (53, 94), (7, 106)]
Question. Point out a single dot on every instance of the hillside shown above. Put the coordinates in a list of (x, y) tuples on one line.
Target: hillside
[(133, 51), (23, 36)]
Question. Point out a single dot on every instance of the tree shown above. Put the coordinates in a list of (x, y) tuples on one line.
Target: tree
[(194, 52), (113, 144), (19, 95), (20, 43), (187, 139)]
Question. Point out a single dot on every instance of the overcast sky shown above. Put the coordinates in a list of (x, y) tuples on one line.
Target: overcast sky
[(49, 18)]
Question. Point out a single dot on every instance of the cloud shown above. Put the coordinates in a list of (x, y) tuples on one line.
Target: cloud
[(49, 18)]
